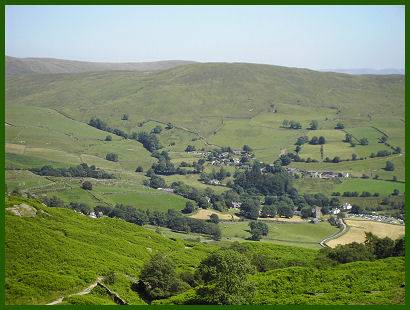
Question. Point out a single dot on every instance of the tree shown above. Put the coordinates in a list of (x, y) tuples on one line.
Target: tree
[(246, 148), (302, 140), (348, 137), (258, 229), (156, 130), (336, 159), (396, 192), (285, 210), (321, 140), (214, 218), (340, 126), (189, 207), (225, 274), (354, 156), (285, 123), (108, 138), (159, 278), (285, 160), (250, 208), (156, 182), (268, 210), (298, 149), (111, 157), (314, 125), (389, 166), (190, 148), (364, 141), (139, 169), (306, 212), (314, 140), (87, 185), (125, 117)]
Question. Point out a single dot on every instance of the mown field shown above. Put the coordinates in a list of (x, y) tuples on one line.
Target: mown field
[(299, 234), (357, 229)]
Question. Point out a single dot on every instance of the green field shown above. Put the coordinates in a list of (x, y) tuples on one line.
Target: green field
[(313, 186), (300, 234)]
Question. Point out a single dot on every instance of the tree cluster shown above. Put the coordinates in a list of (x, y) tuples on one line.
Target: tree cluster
[(82, 170)]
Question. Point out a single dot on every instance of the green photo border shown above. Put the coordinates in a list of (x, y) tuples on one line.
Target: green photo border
[(190, 2)]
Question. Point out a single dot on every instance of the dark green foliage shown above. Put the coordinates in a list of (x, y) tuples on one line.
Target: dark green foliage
[(214, 218), (250, 208), (336, 159), (87, 185), (125, 117), (364, 141), (112, 157), (321, 140), (302, 140), (139, 169), (225, 276), (189, 207), (339, 126), (246, 148), (258, 229), (100, 124), (80, 207), (156, 182), (291, 124), (159, 278), (53, 202), (349, 253), (108, 138), (285, 210), (190, 148), (149, 140), (266, 184), (156, 130), (348, 137), (306, 212), (268, 211), (314, 140), (82, 170), (389, 166)]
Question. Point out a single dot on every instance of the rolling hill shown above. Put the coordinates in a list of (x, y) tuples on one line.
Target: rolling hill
[(16, 66)]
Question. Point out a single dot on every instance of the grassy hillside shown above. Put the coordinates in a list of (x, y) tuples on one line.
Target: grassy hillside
[(206, 92), (16, 66), (59, 252), (378, 282)]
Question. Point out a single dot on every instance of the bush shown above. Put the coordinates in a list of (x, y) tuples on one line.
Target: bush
[(214, 218), (108, 138), (139, 169), (389, 166), (111, 157), (159, 278), (87, 185)]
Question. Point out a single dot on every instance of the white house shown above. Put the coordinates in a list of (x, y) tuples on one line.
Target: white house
[(346, 206)]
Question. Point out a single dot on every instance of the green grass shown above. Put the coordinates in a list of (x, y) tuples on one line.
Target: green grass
[(378, 282), (357, 283), (327, 187), (59, 252), (301, 234)]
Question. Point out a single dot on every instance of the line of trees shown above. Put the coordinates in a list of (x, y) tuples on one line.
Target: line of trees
[(82, 170)]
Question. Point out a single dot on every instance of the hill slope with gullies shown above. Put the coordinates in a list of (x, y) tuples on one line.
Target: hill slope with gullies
[(16, 66)]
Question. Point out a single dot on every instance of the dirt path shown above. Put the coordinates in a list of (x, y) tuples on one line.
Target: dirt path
[(85, 291)]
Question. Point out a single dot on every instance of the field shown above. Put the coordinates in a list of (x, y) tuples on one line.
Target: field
[(314, 185), (300, 234), (357, 228)]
